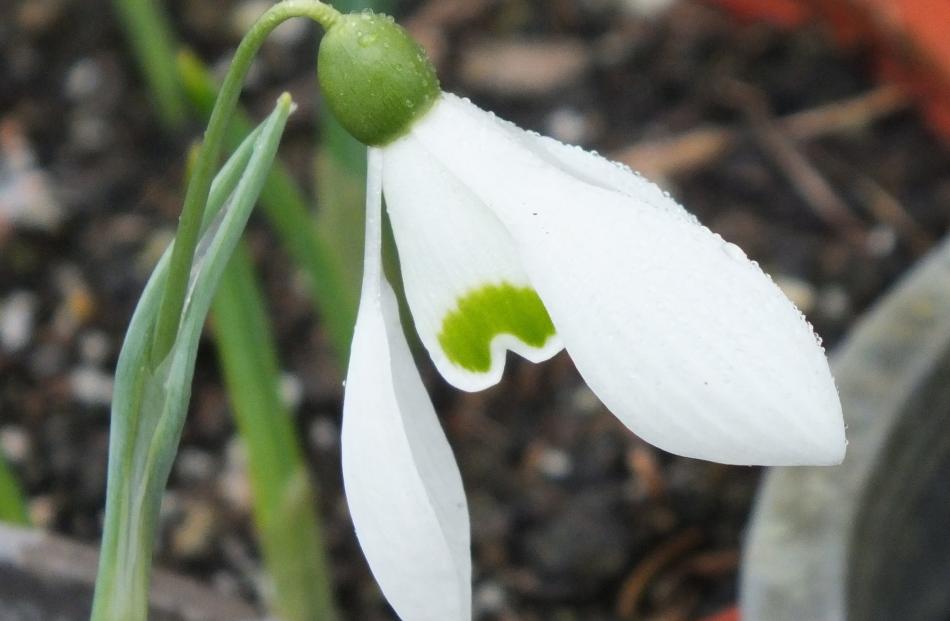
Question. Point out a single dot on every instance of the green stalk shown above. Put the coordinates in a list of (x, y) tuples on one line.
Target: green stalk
[(341, 179), (153, 43), (287, 524), (12, 504), (173, 295), (333, 290)]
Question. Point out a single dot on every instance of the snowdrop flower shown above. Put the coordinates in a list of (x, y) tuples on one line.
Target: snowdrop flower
[(510, 241)]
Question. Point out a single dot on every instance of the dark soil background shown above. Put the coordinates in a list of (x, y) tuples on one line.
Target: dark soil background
[(573, 517)]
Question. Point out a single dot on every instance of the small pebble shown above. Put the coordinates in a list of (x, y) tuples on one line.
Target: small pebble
[(291, 391), (94, 347), (78, 304), (27, 196), (193, 536), (90, 386), (15, 443), (42, 511), (234, 484), (525, 69), (568, 125), (555, 463), (17, 316), (834, 302), (325, 433), (194, 465), (38, 16), (90, 133), (584, 401), (648, 8), (881, 241), (83, 79), (489, 598), (800, 292), (245, 14)]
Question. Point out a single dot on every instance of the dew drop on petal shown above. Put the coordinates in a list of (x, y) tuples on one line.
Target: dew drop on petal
[(734, 251)]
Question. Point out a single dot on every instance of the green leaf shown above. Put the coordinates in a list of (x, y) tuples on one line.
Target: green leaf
[(153, 42), (12, 503), (150, 402), (335, 292), (283, 499)]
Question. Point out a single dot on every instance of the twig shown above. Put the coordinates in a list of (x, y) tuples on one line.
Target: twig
[(712, 564), (882, 205), (888, 210), (695, 148), (641, 459), (809, 183), (634, 586)]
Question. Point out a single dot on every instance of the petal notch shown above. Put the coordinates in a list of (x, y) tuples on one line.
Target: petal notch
[(490, 312)]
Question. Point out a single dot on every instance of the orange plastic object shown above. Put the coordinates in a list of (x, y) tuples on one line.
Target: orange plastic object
[(782, 13), (910, 39), (913, 42), (729, 614)]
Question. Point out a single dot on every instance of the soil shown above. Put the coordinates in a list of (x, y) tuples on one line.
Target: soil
[(573, 516)]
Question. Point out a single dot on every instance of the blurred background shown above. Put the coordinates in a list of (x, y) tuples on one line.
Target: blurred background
[(816, 139)]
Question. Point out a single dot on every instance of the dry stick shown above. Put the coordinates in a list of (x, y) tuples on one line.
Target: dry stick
[(883, 206), (808, 182), (851, 114), (778, 138), (633, 588), (695, 148), (641, 459), (887, 209), (814, 188), (712, 564)]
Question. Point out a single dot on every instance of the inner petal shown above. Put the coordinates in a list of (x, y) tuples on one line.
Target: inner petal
[(470, 298)]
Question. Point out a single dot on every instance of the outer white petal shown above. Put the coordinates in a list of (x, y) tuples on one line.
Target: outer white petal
[(599, 171), (683, 338), (452, 247), (402, 483)]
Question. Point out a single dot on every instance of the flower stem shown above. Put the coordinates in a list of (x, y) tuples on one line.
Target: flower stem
[(186, 239)]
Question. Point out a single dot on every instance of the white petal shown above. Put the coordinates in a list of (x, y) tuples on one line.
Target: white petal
[(471, 300), (683, 338), (402, 483), (599, 171)]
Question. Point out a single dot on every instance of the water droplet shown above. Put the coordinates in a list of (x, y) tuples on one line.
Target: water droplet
[(410, 103), (367, 40), (734, 252)]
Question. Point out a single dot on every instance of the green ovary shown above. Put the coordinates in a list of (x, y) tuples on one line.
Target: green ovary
[(485, 312)]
